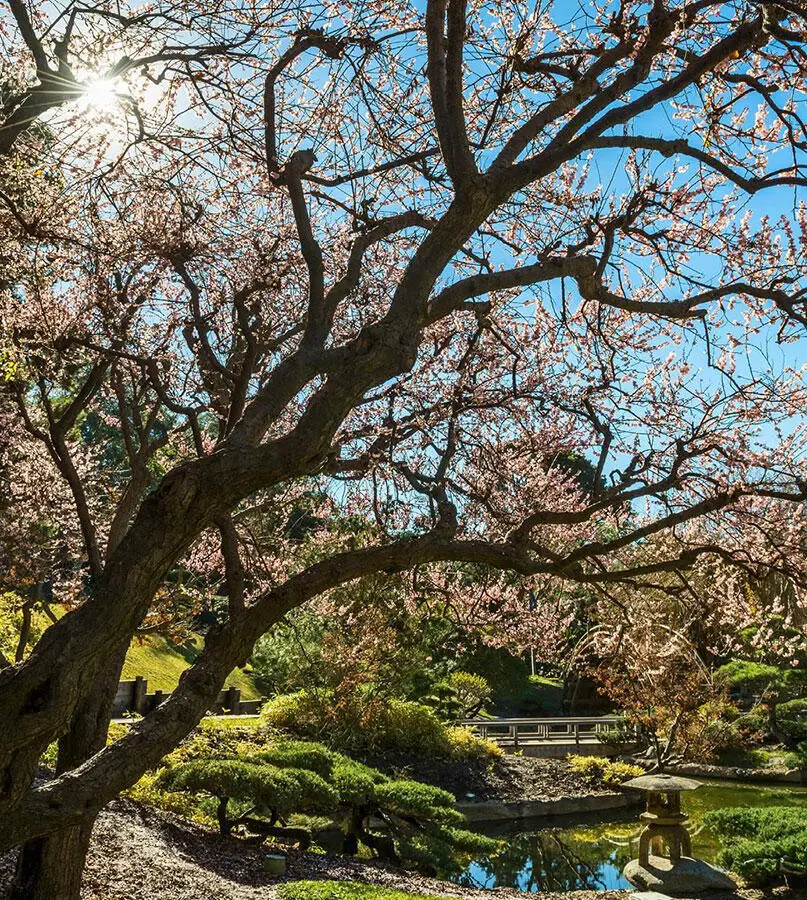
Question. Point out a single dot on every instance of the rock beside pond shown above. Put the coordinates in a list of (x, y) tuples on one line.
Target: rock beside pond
[(684, 877)]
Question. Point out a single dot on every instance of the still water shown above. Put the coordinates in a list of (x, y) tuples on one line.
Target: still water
[(592, 853)]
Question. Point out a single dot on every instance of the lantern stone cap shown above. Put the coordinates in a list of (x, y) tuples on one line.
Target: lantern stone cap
[(661, 783)]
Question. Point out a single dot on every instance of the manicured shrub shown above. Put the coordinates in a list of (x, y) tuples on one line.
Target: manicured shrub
[(793, 730), (763, 823), (776, 759), (750, 728), (360, 724), (751, 676), (422, 822), (461, 695), (150, 791), (298, 777), (782, 694), (621, 735), (617, 773), (411, 798), (599, 770), (283, 791), (299, 755), (761, 844), (355, 782), (793, 709)]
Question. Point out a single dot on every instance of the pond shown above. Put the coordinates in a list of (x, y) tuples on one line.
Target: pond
[(558, 855)]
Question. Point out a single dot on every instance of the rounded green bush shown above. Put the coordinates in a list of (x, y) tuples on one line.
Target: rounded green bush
[(759, 844), (377, 725), (299, 755), (284, 790), (355, 782), (411, 798)]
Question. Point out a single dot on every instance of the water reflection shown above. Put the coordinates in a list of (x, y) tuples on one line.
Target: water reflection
[(555, 860), (553, 855)]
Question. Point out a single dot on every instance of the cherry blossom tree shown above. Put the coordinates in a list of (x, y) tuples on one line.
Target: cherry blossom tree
[(406, 256)]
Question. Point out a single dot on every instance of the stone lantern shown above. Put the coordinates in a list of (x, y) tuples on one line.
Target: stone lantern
[(665, 851)]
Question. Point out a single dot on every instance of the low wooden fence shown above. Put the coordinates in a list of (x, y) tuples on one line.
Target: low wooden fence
[(564, 730), (134, 697)]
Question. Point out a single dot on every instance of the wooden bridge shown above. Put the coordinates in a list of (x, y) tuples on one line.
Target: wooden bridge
[(550, 737)]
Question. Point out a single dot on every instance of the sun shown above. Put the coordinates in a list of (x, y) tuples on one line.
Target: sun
[(101, 94)]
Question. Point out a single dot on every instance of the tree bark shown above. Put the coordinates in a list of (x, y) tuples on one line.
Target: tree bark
[(225, 825), (51, 867)]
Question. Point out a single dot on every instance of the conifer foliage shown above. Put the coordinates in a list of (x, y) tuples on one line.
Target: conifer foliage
[(419, 823)]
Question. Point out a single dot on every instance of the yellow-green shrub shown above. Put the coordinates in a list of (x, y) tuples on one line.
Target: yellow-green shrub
[(372, 724), (617, 773), (600, 770), (464, 744)]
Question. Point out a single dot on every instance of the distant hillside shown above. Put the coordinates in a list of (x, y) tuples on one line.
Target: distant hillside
[(162, 662)]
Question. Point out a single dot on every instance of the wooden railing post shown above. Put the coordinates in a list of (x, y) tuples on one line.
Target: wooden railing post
[(232, 699), (569, 729), (139, 691)]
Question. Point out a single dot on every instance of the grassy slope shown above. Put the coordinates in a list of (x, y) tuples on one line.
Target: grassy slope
[(162, 662), (547, 694)]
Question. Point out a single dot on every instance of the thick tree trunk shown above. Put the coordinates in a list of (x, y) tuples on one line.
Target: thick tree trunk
[(51, 867), (64, 802)]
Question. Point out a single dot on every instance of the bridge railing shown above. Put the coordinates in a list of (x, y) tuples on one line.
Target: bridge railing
[(564, 730)]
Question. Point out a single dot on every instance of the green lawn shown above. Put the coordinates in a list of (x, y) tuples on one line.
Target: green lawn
[(162, 662), (546, 695)]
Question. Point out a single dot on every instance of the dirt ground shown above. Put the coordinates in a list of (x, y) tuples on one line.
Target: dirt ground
[(507, 780), (141, 854)]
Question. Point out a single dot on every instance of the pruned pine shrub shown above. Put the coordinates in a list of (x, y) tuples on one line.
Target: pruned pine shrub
[(417, 800), (280, 791), (434, 850), (461, 695), (472, 691), (793, 709), (425, 823), (761, 845), (355, 782), (299, 755), (298, 777)]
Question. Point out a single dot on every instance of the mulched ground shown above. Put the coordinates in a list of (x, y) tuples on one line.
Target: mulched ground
[(508, 779), (141, 854)]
